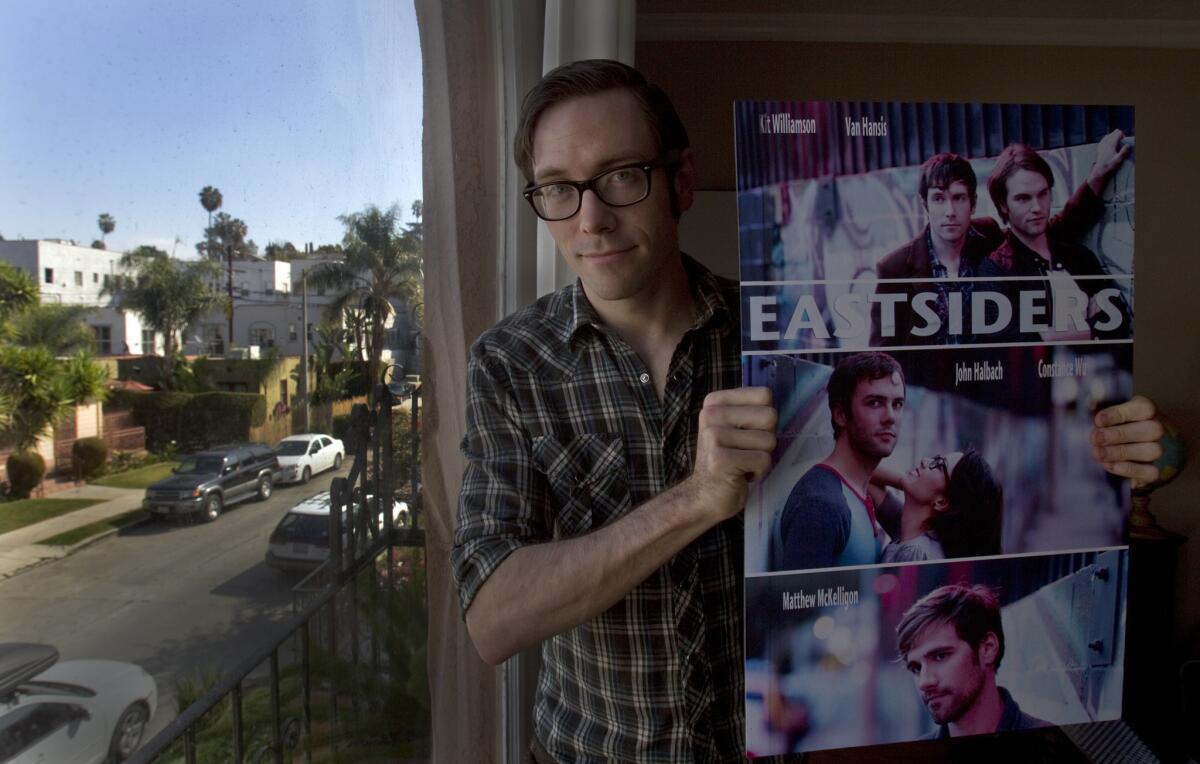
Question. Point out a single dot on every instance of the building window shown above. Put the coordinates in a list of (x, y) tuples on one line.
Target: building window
[(103, 340), (283, 392), (148, 344), (96, 278), (107, 281), (291, 332), (48, 274), (263, 336), (78, 278), (214, 340)]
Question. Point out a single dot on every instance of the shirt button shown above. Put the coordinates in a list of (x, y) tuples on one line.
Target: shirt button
[(644, 378)]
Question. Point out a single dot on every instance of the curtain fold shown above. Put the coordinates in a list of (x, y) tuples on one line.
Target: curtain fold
[(461, 273)]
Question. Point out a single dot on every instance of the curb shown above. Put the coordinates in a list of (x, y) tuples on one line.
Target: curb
[(67, 551)]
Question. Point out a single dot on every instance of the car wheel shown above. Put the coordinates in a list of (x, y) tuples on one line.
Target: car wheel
[(128, 733), (211, 508), (264, 488), (337, 461), (306, 475)]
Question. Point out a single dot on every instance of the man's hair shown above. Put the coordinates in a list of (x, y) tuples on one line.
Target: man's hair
[(853, 369), (1016, 156), (585, 78), (970, 524), (941, 170), (974, 611)]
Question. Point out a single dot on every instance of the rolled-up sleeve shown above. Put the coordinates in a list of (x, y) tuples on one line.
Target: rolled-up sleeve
[(501, 506)]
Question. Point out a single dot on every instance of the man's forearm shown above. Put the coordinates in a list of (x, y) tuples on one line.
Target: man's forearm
[(545, 589)]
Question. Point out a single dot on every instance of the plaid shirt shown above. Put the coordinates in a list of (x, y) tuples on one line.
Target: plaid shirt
[(566, 434)]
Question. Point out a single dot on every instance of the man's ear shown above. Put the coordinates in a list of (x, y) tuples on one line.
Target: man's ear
[(685, 180), (989, 648), (839, 416)]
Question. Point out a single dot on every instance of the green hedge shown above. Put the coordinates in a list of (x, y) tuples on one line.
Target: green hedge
[(90, 454), (25, 471), (196, 420)]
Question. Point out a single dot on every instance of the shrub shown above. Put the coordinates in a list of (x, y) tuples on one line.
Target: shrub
[(90, 454), (196, 420), (25, 471), (341, 429)]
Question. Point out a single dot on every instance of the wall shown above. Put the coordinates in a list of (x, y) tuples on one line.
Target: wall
[(705, 77)]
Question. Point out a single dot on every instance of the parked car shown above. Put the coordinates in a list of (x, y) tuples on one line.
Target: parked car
[(301, 539), (208, 481), (302, 456), (84, 712)]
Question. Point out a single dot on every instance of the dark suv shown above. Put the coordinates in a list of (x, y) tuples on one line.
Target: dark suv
[(209, 481)]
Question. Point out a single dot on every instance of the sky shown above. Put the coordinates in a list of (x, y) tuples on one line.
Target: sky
[(297, 110)]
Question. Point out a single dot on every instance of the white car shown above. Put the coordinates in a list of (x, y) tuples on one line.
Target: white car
[(302, 456), (301, 539), (73, 712)]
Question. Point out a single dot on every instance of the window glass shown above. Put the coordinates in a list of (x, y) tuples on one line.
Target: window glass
[(236, 140)]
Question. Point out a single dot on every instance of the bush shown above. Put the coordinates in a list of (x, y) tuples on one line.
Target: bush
[(89, 454), (196, 420), (25, 471), (341, 429)]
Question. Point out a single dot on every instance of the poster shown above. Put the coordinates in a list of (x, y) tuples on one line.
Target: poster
[(940, 296)]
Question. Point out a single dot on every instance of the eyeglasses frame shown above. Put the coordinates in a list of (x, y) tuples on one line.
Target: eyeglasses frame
[(666, 159)]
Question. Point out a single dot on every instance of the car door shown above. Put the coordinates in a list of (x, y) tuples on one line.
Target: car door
[(329, 449), (315, 457), (239, 467)]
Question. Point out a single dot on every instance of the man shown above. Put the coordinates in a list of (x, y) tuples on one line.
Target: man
[(608, 453), (1020, 186), (953, 245), (608, 448), (829, 516), (952, 642)]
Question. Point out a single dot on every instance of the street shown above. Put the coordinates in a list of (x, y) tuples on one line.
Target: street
[(171, 596)]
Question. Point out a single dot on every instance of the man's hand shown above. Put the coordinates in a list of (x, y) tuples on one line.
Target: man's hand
[(733, 446), (1109, 155), (1125, 440)]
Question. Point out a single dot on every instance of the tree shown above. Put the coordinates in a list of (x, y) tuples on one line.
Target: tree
[(210, 200), (18, 291), (169, 295), (381, 265), (282, 251), (225, 240), (107, 223), (58, 328)]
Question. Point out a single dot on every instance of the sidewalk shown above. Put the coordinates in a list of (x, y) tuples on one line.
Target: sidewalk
[(19, 549)]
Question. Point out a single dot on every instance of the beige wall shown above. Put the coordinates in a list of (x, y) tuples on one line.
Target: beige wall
[(705, 77)]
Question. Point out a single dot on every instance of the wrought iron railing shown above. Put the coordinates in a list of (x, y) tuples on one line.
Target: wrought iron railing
[(343, 660)]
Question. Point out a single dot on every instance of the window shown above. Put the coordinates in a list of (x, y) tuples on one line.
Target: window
[(148, 343), (214, 339), (23, 728), (263, 336), (78, 278), (291, 332), (48, 275), (103, 339), (96, 279), (107, 281), (283, 392)]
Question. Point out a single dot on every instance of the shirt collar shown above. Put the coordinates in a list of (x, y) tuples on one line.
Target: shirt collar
[(711, 302)]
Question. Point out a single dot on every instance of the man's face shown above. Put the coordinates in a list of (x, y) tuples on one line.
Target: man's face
[(948, 672), (619, 253), (926, 483), (1028, 203), (873, 422), (949, 211)]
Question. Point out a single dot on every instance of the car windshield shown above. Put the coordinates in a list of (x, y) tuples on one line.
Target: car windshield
[(297, 527), (200, 465), (291, 447)]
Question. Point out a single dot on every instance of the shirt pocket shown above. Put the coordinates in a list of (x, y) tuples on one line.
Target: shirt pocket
[(587, 478)]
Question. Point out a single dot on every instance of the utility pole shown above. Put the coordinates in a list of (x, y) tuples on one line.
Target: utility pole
[(229, 259), (304, 351)]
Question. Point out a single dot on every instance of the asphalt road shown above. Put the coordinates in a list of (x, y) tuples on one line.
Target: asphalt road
[(174, 598)]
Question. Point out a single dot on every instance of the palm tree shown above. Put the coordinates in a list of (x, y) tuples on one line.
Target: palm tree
[(107, 223), (381, 265), (210, 199), (169, 295)]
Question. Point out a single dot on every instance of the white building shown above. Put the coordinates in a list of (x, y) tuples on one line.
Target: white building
[(69, 274)]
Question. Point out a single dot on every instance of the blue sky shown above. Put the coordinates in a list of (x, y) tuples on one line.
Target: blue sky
[(297, 110)]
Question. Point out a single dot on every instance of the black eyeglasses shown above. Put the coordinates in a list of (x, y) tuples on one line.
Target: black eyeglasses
[(938, 462), (619, 187)]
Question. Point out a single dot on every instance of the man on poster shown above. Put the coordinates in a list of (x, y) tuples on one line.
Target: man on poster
[(609, 451), (952, 641), (953, 245), (829, 517)]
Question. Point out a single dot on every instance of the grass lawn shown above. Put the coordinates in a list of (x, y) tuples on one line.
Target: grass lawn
[(18, 514), (139, 478), (75, 535)]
